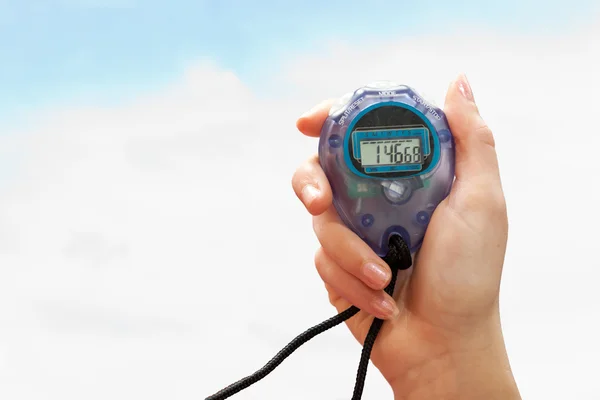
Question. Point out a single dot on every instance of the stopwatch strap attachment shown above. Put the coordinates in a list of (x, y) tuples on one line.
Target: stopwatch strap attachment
[(398, 258)]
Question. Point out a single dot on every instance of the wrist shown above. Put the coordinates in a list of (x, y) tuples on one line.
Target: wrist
[(473, 368)]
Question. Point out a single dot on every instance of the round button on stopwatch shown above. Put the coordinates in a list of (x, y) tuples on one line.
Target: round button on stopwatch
[(389, 157)]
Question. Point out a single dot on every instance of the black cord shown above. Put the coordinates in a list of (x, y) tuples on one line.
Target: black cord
[(398, 258), (283, 354)]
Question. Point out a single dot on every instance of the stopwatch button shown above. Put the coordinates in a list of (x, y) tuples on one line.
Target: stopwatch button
[(367, 220), (397, 188), (423, 217), (397, 191), (444, 135), (335, 141)]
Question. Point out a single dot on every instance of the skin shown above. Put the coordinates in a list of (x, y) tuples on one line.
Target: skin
[(442, 338)]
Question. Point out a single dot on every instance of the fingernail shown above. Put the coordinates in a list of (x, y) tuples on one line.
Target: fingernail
[(376, 275), (309, 194), (386, 308), (465, 88)]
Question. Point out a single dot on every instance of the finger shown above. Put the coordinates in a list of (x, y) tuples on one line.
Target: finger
[(476, 158), (335, 299), (312, 187), (348, 251), (374, 302), (311, 122), (360, 324)]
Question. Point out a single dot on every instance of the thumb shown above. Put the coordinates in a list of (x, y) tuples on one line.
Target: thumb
[(476, 160)]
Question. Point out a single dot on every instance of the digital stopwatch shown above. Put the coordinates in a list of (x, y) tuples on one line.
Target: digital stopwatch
[(389, 157)]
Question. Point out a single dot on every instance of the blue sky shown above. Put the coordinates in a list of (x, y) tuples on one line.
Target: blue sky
[(62, 51)]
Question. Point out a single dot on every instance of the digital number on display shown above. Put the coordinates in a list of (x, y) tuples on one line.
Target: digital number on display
[(390, 152)]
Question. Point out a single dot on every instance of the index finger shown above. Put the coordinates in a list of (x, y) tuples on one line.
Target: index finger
[(311, 122), (348, 250)]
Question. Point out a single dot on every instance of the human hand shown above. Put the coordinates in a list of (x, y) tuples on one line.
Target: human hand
[(442, 337)]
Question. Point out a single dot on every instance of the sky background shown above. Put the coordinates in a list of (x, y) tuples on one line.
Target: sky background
[(134, 263), (65, 51)]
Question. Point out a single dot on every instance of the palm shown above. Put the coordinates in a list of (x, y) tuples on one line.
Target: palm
[(438, 297)]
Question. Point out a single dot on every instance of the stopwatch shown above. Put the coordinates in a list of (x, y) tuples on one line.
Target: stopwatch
[(389, 157)]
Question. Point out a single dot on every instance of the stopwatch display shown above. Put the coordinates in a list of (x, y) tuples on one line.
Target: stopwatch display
[(389, 157)]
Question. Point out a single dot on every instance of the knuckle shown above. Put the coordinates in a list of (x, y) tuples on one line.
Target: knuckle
[(477, 198), (484, 133), (498, 201), (300, 175), (324, 268), (307, 166), (296, 182), (490, 199), (498, 209), (317, 225), (332, 295), (323, 228)]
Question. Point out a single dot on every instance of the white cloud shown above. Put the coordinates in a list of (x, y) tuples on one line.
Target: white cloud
[(144, 249)]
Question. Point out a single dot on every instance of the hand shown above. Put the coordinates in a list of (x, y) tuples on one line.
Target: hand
[(442, 337)]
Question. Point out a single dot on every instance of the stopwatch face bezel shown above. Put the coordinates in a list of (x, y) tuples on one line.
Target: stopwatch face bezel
[(388, 122)]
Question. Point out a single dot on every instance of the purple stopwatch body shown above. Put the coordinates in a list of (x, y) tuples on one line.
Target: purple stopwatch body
[(389, 157)]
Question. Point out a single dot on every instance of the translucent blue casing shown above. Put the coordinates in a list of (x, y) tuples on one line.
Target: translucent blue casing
[(397, 199)]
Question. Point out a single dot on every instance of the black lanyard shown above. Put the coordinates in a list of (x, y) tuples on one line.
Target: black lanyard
[(398, 258)]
